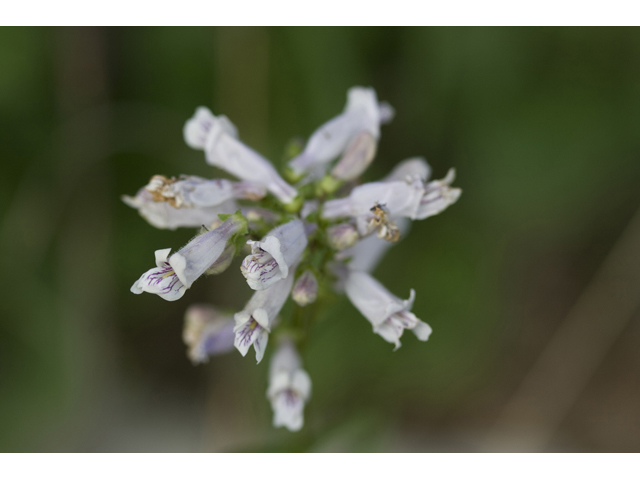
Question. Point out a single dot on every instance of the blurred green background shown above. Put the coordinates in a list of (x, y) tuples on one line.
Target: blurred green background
[(543, 127)]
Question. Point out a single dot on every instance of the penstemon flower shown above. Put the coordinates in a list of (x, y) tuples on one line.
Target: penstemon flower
[(360, 123), (271, 257), (289, 387), (175, 274), (307, 243), (254, 322), (163, 215), (207, 332), (218, 138), (388, 315), (412, 198)]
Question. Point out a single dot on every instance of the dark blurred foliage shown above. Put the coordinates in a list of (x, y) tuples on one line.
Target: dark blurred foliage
[(542, 125)]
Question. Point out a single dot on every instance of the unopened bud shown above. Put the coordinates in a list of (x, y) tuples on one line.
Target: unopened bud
[(305, 289), (343, 235)]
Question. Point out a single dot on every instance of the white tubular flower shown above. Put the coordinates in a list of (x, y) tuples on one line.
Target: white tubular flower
[(207, 332), (173, 275), (217, 137), (409, 170), (400, 199), (192, 191), (253, 324), (271, 257), (388, 314), (165, 216), (289, 387), (411, 198), (305, 290), (362, 114)]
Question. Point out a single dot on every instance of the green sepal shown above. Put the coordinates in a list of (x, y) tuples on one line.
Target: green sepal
[(294, 205), (328, 185)]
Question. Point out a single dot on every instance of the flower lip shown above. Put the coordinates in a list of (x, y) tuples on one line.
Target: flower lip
[(271, 258), (388, 314), (161, 280)]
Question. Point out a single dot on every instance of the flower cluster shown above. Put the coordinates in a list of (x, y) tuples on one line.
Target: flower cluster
[(318, 233)]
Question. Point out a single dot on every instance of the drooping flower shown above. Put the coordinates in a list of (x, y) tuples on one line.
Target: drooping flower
[(190, 191), (207, 332), (218, 138), (388, 314), (305, 290), (254, 322), (289, 387), (362, 116), (413, 199), (173, 275), (271, 257), (165, 216)]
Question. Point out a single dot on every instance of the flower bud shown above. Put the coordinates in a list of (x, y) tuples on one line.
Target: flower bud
[(343, 235), (305, 289)]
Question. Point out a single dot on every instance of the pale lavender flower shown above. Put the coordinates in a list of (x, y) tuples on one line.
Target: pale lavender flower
[(388, 314), (222, 149), (362, 114), (271, 257), (413, 199), (173, 275), (192, 191), (305, 290), (163, 215), (254, 322), (207, 332), (400, 199), (289, 387)]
